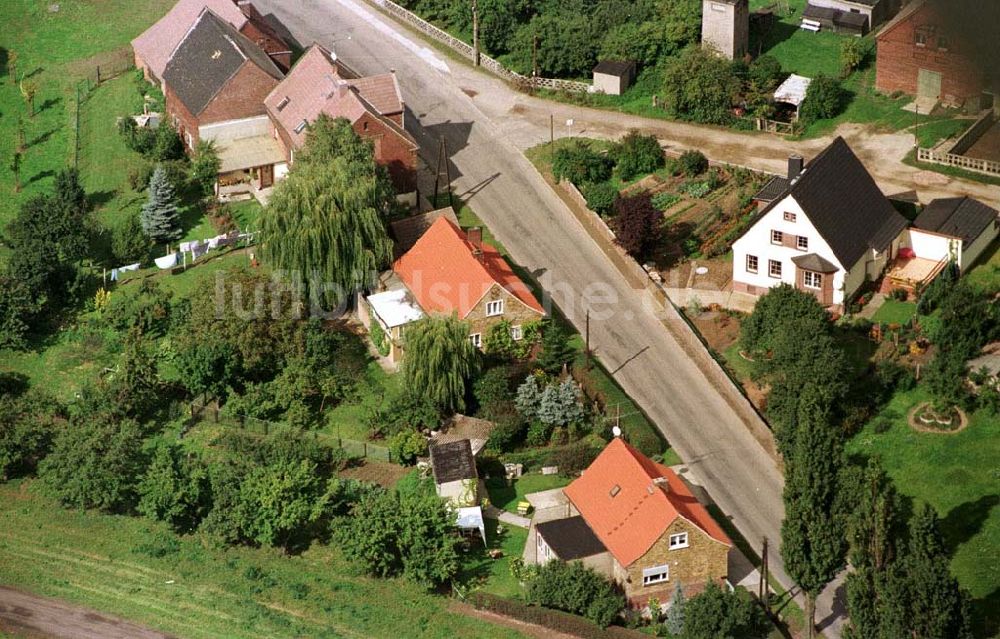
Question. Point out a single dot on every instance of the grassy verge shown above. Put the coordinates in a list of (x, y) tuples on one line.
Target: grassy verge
[(479, 570), (950, 171), (185, 586), (957, 474)]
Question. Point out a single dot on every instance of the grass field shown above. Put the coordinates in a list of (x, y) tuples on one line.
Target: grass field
[(985, 275), (506, 496), (137, 569), (493, 575), (930, 134), (958, 475), (55, 50), (895, 312)]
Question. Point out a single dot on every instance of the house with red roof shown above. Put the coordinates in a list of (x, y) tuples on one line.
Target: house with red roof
[(154, 46), (636, 522), (449, 271), (321, 84)]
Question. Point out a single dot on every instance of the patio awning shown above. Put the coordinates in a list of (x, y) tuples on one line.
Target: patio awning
[(471, 518), (247, 153), (793, 90)]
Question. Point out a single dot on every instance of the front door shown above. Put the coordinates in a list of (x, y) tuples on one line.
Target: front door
[(929, 84), (266, 176)]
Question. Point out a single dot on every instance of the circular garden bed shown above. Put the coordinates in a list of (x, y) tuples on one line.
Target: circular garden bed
[(925, 419)]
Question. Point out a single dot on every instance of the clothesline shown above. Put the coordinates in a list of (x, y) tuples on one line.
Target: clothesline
[(197, 248)]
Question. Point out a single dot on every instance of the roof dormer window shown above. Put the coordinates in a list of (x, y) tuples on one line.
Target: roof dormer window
[(284, 102)]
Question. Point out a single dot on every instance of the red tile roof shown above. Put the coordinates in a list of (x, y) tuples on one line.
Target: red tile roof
[(445, 276), (156, 44), (381, 91), (648, 499), (315, 85)]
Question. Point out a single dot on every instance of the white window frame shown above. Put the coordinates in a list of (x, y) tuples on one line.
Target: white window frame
[(678, 541), (656, 575), (802, 243), (771, 269), (789, 216), (812, 280), (777, 237), (494, 308), (516, 333), (756, 263), (476, 339)]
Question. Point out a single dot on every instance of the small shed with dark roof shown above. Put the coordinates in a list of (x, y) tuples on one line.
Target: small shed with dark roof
[(971, 225), (454, 468), (567, 539), (613, 77)]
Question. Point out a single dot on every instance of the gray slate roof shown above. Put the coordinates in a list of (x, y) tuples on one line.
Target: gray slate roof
[(771, 191), (842, 201), (453, 461), (960, 217), (614, 67), (815, 263), (209, 55), (570, 538)]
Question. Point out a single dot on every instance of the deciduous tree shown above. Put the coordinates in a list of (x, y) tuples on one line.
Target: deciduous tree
[(637, 225), (439, 361)]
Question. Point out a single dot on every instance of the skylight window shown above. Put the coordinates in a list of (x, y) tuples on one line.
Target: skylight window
[(615, 490), (284, 102), (300, 127)]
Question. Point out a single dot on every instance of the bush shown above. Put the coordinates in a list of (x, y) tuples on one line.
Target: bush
[(139, 175), (700, 86), (406, 445), (692, 163), (637, 225), (900, 294), (825, 98), (129, 243), (574, 588), (601, 197), (580, 164), (766, 73), (139, 139), (379, 338), (167, 144), (637, 154), (573, 459), (205, 167), (717, 613)]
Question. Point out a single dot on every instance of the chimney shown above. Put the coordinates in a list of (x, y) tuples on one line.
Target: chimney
[(662, 483), (795, 163), (475, 237)]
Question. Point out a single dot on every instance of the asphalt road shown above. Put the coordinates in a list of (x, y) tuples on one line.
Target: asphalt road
[(34, 616), (542, 235)]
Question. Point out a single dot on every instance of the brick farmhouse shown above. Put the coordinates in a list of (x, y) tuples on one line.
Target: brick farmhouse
[(451, 272), (918, 55), (319, 84), (636, 522)]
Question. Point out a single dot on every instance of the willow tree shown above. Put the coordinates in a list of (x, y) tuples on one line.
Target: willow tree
[(325, 222), (439, 361)]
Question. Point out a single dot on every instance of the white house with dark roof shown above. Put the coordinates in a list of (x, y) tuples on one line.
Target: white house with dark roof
[(826, 233), (959, 228)]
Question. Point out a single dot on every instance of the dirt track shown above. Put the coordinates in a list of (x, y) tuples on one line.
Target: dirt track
[(28, 615)]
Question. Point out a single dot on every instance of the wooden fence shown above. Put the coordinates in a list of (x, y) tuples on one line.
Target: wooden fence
[(469, 53), (775, 126)]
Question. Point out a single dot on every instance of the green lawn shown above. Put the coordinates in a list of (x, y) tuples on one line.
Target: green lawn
[(348, 420), (506, 496), (959, 476), (493, 575), (56, 50), (930, 134), (798, 50), (895, 312), (188, 587)]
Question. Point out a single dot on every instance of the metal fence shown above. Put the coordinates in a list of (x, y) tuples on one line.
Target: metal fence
[(114, 65), (468, 52)]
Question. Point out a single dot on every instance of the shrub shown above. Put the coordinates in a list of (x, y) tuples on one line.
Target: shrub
[(900, 294), (637, 154), (717, 612), (574, 458), (637, 225), (766, 72), (406, 445), (601, 197), (129, 242), (580, 164), (825, 98), (139, 174), (167, 144), (205, 166), (700, 86), (572, 587), (139, 139), (692, 163), (379, 338)]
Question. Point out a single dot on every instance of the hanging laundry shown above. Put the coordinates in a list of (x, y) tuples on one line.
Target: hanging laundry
[(186, 246), (197, 250), (130, 267), (213, 242), (167, 261), (114, 275)]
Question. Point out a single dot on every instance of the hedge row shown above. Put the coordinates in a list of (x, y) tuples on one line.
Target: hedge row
[(551, 619)]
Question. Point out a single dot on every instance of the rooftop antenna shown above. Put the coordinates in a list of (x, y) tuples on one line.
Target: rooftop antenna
[(616, 431)]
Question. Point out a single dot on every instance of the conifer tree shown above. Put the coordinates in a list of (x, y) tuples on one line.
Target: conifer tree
[(675, 614), (160, 217)]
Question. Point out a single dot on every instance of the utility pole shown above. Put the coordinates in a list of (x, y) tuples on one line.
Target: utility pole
[(586, 339), (475, 33), (552, 138), (442, 161), (534, 56)]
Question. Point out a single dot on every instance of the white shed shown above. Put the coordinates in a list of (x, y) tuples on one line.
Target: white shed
[(793, 91)]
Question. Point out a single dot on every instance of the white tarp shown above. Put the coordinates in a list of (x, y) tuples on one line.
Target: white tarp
[(396, 308), (471, 518), (793, 90)]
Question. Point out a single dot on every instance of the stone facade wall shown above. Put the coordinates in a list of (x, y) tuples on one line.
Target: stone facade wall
[(705, 559), (899, 61), (514, 311)]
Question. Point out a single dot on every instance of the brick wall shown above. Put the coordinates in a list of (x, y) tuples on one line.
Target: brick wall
[(514, 311), (703, 560), (899, 60), (279, 52), (180, 118), (241, 97), (392, 150)]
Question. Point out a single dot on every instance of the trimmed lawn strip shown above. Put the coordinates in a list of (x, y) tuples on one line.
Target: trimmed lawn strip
[(139, 570), (895, 312)]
